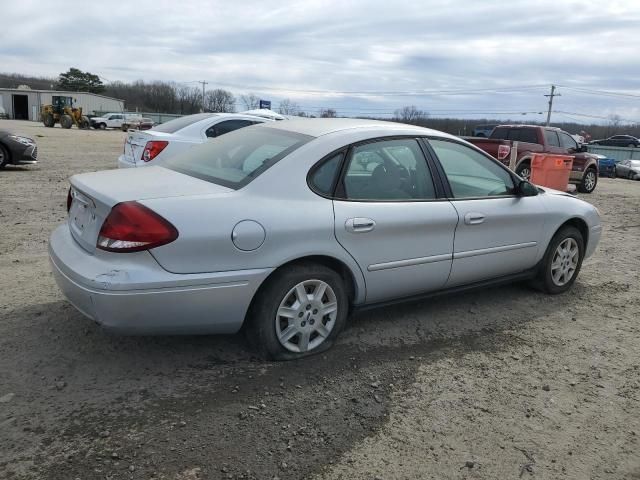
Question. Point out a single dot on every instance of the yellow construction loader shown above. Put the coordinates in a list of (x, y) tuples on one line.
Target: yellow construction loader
[(62, 111)]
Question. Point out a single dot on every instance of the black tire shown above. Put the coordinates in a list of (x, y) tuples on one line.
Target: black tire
[(102, 126), (614, 173), (4, 156), (84, 123), (48, 120), (631, 145), (544, 281), (263, 314), (589, 181), (524, 170), (66, 121), (630, 175)]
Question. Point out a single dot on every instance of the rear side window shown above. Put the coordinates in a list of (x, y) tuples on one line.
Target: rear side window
[(388, 170), (551, 137), (234, 159), (172, 126), (323, 178), (226, 127)]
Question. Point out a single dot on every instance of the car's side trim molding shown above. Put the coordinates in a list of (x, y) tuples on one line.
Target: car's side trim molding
[(486, 251), (409, 262)]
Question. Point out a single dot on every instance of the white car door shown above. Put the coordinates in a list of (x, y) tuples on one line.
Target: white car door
[(115, 121), (499, 231), (391, 220)]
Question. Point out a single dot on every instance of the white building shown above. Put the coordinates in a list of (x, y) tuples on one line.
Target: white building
[(25, 104)]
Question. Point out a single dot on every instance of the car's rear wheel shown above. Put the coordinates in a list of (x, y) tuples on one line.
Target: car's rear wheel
[(524, 170), (589, 181), (631, 145), (4, 156), (562, 261), (299, 312)]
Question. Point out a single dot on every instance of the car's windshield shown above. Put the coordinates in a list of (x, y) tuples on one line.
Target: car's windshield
[(236, 158), (172, 126)]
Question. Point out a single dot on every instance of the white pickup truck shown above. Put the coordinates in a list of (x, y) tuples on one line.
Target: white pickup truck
[(114, 120)]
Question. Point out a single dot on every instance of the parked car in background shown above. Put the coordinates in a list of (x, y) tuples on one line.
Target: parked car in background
[(17, 150), (606, 165), (141, 123), (483, 130), (144, 148), (628, 169), (113, 120), (618, 141), (536, 139), (288, 226)]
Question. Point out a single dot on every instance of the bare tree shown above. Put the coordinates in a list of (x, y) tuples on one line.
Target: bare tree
[(288, 107), (327, 113), (410, 114), (250, 101), (219, 100)]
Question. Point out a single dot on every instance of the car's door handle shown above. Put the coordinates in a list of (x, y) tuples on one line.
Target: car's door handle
[(473, 218), (359, 225)]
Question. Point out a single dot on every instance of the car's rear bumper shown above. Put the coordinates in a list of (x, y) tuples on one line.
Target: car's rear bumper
[(125, 162), (131, 293)]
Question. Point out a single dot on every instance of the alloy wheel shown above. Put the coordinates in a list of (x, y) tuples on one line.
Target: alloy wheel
[(306, 316), (565, 262), (589, 180), (525, 173)]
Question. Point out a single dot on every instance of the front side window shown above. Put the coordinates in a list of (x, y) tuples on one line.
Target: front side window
[(470, 173), (568, 142), (234, 159), (388, 170)]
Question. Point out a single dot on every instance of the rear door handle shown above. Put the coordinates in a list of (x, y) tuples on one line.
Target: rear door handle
[(474, 218), (359, 225)]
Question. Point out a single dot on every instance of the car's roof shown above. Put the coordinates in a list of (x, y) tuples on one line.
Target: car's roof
[(316, 127)]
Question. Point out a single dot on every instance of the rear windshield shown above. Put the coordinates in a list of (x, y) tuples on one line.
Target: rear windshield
[(172, 126), (236, 158), (525, 134)]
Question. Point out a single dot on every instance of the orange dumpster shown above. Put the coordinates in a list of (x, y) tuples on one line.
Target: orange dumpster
[(549, 170)]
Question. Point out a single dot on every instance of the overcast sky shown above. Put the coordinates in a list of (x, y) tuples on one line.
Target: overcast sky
[(373, 56)]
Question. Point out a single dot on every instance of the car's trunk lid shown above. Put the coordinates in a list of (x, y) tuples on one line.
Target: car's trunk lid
[(135, 142), (94, 194)]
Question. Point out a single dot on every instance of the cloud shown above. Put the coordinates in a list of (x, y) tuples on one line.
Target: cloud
[(279, 48)]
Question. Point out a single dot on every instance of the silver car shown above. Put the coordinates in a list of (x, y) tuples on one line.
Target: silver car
[(284, 228)]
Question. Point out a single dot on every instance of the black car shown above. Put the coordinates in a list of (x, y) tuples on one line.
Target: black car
[(17, 150), (618, 141)]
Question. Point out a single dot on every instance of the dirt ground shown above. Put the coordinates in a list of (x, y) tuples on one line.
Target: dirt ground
[(494, 384)]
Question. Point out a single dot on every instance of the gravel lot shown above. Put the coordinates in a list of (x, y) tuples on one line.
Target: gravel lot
[(500, 383)]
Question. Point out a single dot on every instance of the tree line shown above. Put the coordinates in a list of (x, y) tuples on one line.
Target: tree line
[(177, 98)]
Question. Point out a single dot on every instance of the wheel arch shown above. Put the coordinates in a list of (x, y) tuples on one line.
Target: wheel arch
[(578, 223), (354, 287), (9, 152)]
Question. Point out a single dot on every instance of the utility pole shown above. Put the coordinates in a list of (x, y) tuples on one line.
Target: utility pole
[(203, 84), (551, 95)]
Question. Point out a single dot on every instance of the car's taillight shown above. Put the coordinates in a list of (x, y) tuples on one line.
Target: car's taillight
[(503, 151), (69, 199), (132, 227), (152, 149)]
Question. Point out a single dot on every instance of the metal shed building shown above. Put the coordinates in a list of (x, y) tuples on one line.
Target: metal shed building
[(25, 104)]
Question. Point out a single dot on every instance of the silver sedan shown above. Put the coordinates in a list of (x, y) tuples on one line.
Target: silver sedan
[(284, 228)]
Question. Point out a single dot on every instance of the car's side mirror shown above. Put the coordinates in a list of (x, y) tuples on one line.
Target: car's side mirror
[(527, 189)]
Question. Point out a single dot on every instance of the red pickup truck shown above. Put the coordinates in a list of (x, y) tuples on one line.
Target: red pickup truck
[(536, 139)]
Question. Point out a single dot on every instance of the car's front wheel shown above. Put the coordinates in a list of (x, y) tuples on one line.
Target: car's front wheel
[(562, 261), (299, 312)]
